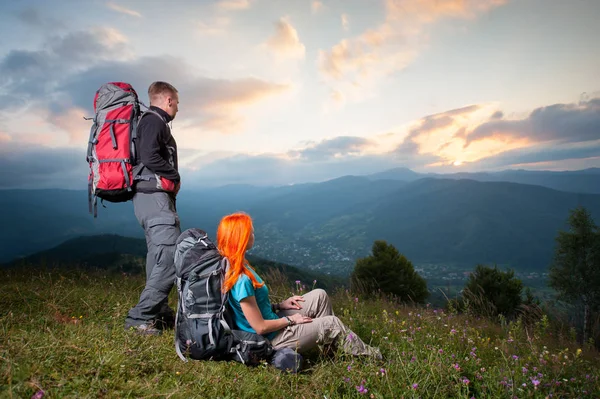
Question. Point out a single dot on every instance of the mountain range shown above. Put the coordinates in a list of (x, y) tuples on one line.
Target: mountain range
[(326, 226)]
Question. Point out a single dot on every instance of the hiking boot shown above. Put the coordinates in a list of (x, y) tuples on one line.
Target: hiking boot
[(145, 329), (165, 320)]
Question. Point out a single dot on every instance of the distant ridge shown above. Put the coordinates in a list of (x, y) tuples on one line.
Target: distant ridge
[(113, 252)]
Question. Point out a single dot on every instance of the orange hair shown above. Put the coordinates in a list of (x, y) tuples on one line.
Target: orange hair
[(233, 236)]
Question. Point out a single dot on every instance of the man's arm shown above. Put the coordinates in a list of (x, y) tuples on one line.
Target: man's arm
[(149, 148)]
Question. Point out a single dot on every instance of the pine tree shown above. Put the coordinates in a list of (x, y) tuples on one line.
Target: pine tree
[(575, 271), (388, 270), (493, 292)]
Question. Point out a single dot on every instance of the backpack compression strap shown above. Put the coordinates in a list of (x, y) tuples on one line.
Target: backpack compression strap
[(177, 348)]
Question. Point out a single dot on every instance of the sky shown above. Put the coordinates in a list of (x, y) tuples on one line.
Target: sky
[(285, 92)]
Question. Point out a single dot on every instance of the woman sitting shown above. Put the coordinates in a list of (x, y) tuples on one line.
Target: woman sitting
[(302, 322)]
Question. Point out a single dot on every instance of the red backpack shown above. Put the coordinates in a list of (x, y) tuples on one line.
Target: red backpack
[(111, 149)]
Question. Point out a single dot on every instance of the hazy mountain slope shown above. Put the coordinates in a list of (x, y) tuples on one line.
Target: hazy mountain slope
[(581, 181)]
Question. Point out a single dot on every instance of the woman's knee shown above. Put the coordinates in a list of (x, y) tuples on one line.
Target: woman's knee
[(321, 293)]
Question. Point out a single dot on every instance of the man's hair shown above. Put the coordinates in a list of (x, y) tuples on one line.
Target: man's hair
[(157, 89)]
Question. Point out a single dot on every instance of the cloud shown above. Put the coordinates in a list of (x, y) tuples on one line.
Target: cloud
[(359, 63), (35, 76), (331, 148), (316, 6), (233, 5), (285, 41), (72, 122), (60, 80), (345, 21), (33, 18), (540, 154), (562, 123), (433, 133), (33, 166), (208, 104), (215, 26), (123, 10)]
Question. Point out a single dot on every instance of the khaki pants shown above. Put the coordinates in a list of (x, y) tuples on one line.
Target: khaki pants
[(325, 329)]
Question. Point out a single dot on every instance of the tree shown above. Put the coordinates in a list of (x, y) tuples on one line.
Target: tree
[(493, 292), (575, 270), (388, 270)]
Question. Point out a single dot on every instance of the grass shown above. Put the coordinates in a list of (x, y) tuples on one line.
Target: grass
[(61, 332)]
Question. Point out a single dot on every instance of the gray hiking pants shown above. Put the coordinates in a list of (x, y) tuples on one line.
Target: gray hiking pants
[(325, 329), (157, 214)]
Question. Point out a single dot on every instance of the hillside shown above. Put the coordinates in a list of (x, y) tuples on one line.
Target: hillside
[(430, 221), (114, 253), (63, 337), (326, 226), (578, 181)]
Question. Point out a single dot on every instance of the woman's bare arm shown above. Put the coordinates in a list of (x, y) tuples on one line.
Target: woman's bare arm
[(262, 326)]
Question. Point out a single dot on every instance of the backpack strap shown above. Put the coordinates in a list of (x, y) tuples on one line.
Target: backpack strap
[(177, 348), (149, 111)]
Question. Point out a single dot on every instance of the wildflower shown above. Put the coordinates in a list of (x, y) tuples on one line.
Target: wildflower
[(578, 352), (361, 389), (515, 357), (297, 282), (356, 300), (453, 331), (441, 351), (415, 385), (524, 370), (347, 379), (382, 371), (314, 281), (349, 367), (38, 395), (535, 382), (465, 381), (177, 372)]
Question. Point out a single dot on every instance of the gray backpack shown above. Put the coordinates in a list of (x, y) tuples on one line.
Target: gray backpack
[(203, 319)]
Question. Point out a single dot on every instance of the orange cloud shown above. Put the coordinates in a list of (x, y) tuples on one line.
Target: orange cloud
[(5, 138), (72, 123), (220, 102), (316, 6), (370, 56), (123, 10), (285, 41)]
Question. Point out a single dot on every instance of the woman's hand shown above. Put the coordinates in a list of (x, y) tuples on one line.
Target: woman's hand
[(292, 303), (297, 318)]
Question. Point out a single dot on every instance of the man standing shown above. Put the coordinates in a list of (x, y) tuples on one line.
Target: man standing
[(157, 185)]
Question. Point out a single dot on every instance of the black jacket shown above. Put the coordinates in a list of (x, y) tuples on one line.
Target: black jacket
[(156, 153)]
